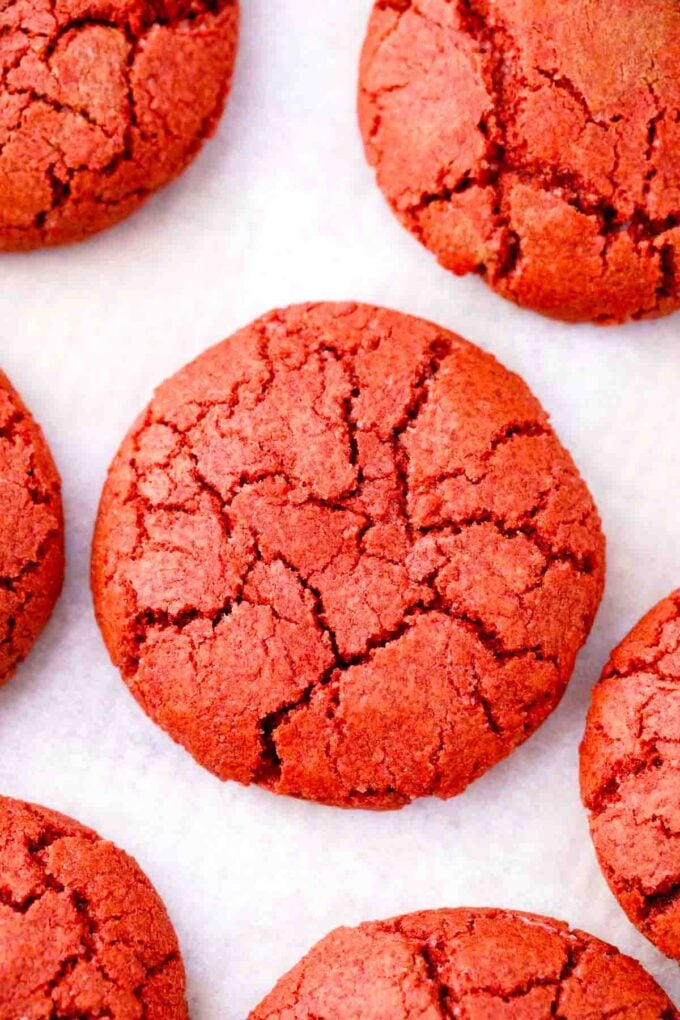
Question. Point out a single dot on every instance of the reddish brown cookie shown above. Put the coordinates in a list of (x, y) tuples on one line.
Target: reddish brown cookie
[(471, 964), (31, 531), (534, 143), (82, 931), (344, 555), (103, 102), (630, 774)]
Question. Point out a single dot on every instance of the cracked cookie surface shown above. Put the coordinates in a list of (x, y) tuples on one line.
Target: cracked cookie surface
[(102, 102), (31, 531), (535, 144), (343, 555), (630, 774), (82, 931), (470, 964)]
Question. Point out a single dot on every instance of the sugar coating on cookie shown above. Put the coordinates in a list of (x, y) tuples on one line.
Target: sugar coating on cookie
[(476, 964), (630, 774), (536, 144), (31, 531), (101, 103), (82, 931), (343, 555)]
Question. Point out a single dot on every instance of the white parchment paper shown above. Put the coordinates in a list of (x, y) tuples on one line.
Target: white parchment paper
[(279, 208)]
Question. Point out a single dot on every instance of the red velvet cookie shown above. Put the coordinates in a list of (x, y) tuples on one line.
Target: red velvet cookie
[(630, 774), (343, 555), (31, 531), (472, 964), (536, 144), (82, 931), (103, 102)]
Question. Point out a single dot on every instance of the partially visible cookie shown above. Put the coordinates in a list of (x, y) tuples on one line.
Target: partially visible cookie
[(102, 102), (472, 964), (82, 931), (344, 555), (535, 144), (630, 774), (31, 531)]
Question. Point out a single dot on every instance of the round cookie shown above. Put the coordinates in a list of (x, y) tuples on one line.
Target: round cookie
[(82, 931), (472, 964), (31, 531), (343, 555), (630, 774), (534, 144), (102, 102)]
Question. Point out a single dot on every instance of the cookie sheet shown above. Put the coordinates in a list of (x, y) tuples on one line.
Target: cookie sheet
[(281, 207)]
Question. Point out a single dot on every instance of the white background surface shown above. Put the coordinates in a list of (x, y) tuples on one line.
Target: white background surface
[(279, 208)]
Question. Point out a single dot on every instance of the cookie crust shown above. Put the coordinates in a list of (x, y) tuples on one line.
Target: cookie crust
[(82, 931), (31, 531), (534, 144), (630, 774), (343, 555), (477, 964), (102, 102)]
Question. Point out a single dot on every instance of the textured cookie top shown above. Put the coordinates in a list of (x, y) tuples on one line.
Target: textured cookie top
[(82, 931), (535, 143), (31, 530), (472, 964), (101, 103), (630, 774), (344, 555)]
